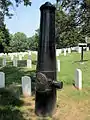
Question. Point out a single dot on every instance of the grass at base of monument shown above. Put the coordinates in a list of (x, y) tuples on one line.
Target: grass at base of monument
[(71, 103)]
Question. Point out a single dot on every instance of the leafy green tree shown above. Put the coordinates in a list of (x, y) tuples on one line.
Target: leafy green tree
[(5, 4), (33, 41), (4, 35), (81, 11), (68, 24), (18, 42), (4, 39)]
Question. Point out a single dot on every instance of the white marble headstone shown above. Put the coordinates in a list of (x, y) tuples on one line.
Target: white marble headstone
[(2, 80), (15, 62), (79, 49), (29, 57), (87, 48), (16, 54), (20, 57), (29, 52), (57, 53), (60, 51), (4, 62), (64, 52), (23, 54), (26, 86), (78, 79), (12, 57), (36, 52), (69, 50), (58, 65), (29, 63)]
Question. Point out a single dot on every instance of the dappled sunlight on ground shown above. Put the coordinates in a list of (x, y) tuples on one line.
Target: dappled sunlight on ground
[(67, 107)]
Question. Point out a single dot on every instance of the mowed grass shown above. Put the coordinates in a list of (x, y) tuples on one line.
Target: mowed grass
[(71, 103)]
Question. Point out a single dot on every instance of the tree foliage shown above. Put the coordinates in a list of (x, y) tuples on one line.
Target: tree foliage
[(33, 42), (81, 11), (4, 39), (5, 4), (67, 32), (72, 22), (18, 42)]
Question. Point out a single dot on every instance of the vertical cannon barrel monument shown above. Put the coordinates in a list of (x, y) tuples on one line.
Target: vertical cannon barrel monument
[(46, 84)]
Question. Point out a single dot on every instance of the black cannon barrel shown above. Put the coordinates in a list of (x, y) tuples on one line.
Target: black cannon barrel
[(46, 66), (46, 51)]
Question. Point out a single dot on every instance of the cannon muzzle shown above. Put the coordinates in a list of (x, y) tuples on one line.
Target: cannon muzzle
[(57, 84)]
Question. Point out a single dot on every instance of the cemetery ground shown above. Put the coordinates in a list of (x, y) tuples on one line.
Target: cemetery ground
[(72, 104)]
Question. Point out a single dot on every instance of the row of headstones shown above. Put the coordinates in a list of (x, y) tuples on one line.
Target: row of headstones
[(29, 63), (20, 57), (15, 63), (69, 50), (58, 52), (20, 54), (26, 82)]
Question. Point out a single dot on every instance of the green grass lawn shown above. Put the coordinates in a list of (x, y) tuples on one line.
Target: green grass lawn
[(71, 103)]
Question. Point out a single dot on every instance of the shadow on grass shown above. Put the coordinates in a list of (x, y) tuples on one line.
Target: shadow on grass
[(22, 63), (34, 62), (80, 61), (14, 75), (9, 106)]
